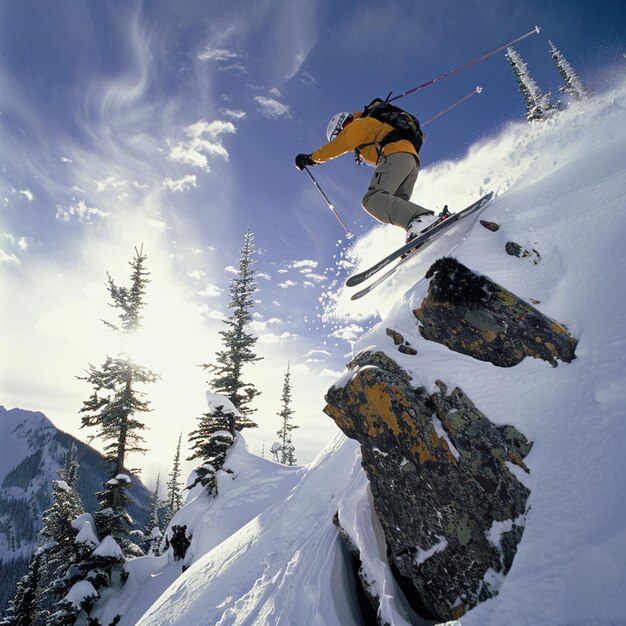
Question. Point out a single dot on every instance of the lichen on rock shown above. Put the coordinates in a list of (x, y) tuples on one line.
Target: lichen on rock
[(451, 510), (471, 314)]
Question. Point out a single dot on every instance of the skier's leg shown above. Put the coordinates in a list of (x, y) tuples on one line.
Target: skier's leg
[(391, 184)]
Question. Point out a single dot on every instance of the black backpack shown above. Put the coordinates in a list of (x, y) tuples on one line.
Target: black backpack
[(405, 125)]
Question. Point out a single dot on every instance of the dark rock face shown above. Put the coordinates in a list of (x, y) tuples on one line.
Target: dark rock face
[(451, 510), (514, 249), (492, 226), (471, 314)]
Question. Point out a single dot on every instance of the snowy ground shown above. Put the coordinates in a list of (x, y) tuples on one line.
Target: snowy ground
[(266, 552)]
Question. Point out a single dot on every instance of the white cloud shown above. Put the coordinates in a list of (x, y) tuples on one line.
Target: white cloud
[(270, 107), (328, 373), (210, 291), (271, 338), (307, 78), (304, 263), (198, 147), (258, 326), (17, 242), (234, 114), (28, 194), (317, 351), (111, 182), (217, 54), (180, 184), (195, 274), (287, 284), (159, 225), (79, 210), (9, 258)]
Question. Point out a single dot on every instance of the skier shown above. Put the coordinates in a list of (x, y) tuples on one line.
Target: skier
[(396, 161)]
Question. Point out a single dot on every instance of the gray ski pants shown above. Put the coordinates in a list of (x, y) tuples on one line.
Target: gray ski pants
[(389, 190)]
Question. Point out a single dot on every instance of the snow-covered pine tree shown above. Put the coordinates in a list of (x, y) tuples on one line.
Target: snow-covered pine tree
[(572, 85), (60, 551), (538, 105), (76, 589), (115, 404), (238, 342), (210, 443), (286, 454), (23, 610)]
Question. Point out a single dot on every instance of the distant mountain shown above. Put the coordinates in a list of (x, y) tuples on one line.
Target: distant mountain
[(31, 452)]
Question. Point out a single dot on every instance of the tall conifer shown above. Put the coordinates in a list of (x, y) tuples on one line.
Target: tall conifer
[(174, 497), (538, 105), (286, 454), (572, 86), (238, 341), (115, 405)]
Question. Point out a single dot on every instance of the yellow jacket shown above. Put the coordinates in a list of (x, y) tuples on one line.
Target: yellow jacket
[(362, 130)]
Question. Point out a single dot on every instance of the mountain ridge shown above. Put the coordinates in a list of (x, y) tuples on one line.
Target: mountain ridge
[(33, 451)]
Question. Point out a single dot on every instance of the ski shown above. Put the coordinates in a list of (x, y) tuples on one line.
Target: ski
[(428, 235)]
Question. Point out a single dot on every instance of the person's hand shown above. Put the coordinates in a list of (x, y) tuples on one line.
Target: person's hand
[(304, 160)]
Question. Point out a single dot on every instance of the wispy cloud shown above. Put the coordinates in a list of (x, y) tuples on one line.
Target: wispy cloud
[(28, 194), (217, 54), (79, 210), (180, 184), (203, 142), (272, 339), (234, 114), (270, 107), (304, 263)]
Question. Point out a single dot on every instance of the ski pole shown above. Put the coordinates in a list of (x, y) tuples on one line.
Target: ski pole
[(456, 104), (464, 67), (328, 202)]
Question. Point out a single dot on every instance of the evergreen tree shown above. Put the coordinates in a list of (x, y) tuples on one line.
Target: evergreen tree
[(82, 574), (210, 443), (571, 83), (115, 404), (154, 533), (238, 342), (538, 105), (60, 550), (23, 610), (174, 497), (286, 454)]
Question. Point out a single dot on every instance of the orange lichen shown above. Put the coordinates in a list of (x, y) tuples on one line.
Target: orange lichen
[(557, 328), (378, 406), (422, 453)]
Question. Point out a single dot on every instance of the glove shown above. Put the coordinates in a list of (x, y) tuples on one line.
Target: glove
[(304, 160)]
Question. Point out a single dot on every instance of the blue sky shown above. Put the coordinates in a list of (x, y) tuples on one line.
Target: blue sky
[(175, 125)]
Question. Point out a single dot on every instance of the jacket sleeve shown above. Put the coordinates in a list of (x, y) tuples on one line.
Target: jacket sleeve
[(353, 135)]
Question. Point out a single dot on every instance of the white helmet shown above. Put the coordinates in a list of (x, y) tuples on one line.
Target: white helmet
[(336, 124)]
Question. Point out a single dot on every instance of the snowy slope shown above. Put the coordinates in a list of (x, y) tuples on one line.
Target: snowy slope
[(561, 190)]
